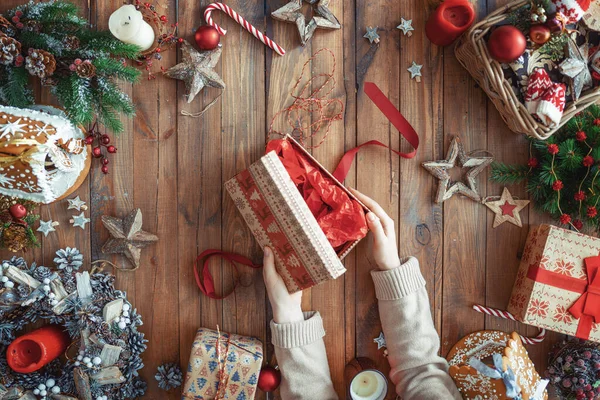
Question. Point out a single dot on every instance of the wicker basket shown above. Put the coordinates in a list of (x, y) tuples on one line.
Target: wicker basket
[(471, 51)]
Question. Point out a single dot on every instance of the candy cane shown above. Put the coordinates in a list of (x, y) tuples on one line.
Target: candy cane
[(506, 315), (240, 20)]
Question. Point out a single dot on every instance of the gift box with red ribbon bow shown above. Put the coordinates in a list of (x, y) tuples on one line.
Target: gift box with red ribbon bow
[(222, 366), (558, 283)]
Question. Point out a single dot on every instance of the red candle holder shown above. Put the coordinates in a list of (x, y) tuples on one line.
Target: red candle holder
[(449, 21), (34, 350)]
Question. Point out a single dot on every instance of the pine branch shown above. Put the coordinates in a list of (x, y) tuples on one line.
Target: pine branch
[(508, 174), (104, 42), (14, 90), (106, 66)]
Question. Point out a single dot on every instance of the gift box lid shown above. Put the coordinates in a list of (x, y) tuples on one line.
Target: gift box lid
[(279, 218)]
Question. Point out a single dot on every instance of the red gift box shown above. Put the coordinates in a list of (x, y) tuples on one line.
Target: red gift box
[(278, 215), (558, 284)]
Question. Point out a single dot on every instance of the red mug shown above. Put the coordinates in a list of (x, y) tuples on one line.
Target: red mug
[(449, 21)]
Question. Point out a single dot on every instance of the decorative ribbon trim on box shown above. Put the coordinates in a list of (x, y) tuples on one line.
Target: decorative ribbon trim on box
[(204, 279), (394, 116), (587, 306)]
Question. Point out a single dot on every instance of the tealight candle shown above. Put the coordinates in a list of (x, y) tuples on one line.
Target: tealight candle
[(449, 21), (369, 384), (127, 24)]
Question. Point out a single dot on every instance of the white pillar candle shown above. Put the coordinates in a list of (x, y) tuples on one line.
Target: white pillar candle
[(127, 24), (369, 384)]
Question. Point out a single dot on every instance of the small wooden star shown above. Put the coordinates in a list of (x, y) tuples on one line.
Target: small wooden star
[(439, 169), (79, 220), (406, 27), (372, 35), (128, 238), (507, 209), (46, 227), (196, 70), (415, 71), (76, 204), (380, 340), (322, 17)]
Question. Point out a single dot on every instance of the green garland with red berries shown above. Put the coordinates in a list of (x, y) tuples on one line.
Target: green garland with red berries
[(563, 172)]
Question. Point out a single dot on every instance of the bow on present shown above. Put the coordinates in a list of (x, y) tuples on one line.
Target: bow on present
[(587, 307), (508, 377)]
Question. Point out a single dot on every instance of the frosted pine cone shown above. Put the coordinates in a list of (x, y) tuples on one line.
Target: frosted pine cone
[(10, 49), (68, 260), (72, 42), (6, 27), (169, 376), (40, 63), (86, 69)]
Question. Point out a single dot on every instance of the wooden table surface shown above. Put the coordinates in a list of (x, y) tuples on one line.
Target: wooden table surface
[(173, 168)]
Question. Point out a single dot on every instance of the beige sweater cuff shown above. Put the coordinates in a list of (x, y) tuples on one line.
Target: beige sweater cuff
[(298, 334), (399, 282)]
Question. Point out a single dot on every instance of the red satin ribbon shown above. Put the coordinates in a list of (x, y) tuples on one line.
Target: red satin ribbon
[(204, 279), (393, 115), (587, 306)]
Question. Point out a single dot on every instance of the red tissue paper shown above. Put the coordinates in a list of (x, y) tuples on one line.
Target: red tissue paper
[(341, 218)]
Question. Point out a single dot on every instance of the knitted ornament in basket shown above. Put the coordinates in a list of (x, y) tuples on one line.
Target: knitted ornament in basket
[(43, 156), (545, 99), (572, 9)]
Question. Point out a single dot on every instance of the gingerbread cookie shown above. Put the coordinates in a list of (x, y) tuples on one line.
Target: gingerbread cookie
[(43, 156), (512, 364)]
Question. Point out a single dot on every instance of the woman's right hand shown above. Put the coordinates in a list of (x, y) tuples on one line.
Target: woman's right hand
[(385, 249)]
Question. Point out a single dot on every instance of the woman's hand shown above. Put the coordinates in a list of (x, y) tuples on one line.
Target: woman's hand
[(286, 307), (385, 250)]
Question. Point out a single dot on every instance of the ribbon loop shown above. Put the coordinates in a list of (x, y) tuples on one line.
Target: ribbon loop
[(394, 116), (204, 279), (587, 306)]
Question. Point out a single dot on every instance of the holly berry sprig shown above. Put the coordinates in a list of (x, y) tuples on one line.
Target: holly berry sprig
[(99, 141)]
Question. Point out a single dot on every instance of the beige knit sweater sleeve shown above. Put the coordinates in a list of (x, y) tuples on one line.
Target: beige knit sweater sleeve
[(412, 341), (417, 371)]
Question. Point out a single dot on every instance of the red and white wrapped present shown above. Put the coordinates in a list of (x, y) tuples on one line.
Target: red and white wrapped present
[(297, 208), (558, 284)]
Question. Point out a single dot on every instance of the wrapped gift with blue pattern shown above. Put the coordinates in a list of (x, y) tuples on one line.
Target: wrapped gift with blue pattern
[(223, 366)]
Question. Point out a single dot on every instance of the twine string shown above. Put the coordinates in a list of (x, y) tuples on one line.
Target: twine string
[(311, 100)]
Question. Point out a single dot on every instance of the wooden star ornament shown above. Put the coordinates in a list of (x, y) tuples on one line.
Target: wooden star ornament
[(128, 238), (196, 70), (322, 17), (507, 209), (440, 168)]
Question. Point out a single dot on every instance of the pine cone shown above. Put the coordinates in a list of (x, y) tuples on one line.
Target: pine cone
[(40, 63), (86, 69), (169, 376), (15, 237), (6, 27), (9, 50), (72, 42), (33, 26)]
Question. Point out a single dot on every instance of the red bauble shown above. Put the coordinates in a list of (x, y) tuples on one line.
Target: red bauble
[(506, 44), (97, 152), (207, 37), (269, 379), (539, 34), (18, 211)]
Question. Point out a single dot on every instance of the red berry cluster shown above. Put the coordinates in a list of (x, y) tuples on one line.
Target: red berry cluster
[(166, 38), (16, 19), (100, 140)]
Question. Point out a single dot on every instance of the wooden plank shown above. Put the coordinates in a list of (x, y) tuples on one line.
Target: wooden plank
[(377, 64), (420, 233), (465, 226), (200, 191), (243, 142)]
